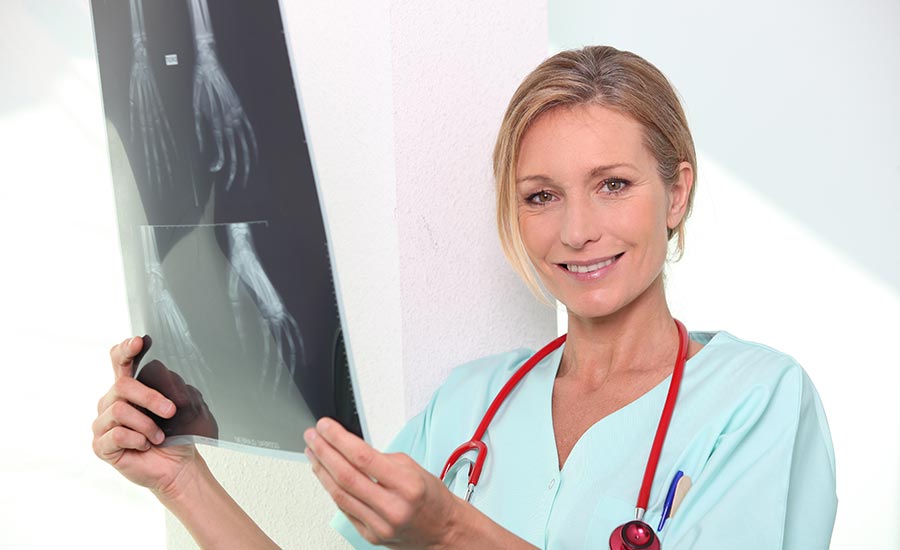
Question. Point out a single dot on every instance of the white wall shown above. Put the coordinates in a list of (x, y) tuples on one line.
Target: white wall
[(793, 241), (402, 101), (455, 67)]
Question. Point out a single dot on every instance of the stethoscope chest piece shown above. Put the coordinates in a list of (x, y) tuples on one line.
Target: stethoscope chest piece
[(634, 535)]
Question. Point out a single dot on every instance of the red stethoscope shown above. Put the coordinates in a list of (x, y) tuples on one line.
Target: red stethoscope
[(634, 535)]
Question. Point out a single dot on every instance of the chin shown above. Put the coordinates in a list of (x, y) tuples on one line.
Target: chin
[(592, 308), (591, 314)]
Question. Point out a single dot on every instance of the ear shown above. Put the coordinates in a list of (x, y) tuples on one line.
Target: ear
[(679, 192)]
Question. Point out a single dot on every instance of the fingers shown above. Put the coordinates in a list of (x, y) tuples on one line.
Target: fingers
[(120, 425), (295, 336), (348, 476), (142, 123), (362, 529), (216, 118), (136, 393), (162, 127), (232, 154), (385, 485), (110, 445), (246, 122), (385, 493), (369, 523), (122, 356), (197, 110), (356, 451), (151, 136), (245, 151), (123, 414), (251, 150)]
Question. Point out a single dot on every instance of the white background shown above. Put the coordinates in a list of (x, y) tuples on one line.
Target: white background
[(63, 296)]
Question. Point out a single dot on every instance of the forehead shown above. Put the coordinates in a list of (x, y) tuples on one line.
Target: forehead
[(581, 137)]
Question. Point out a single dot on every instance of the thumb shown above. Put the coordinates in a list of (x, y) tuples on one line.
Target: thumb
[(123, 355)]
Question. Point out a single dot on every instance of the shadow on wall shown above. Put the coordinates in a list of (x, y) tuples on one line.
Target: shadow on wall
[(798, 100)]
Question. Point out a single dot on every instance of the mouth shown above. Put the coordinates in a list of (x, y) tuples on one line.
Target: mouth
[(595, 266)]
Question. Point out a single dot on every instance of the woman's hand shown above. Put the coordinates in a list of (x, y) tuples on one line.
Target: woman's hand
[(389, 498), (127, 438)]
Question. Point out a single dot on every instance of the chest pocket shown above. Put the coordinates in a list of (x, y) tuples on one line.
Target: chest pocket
[(610, 513)]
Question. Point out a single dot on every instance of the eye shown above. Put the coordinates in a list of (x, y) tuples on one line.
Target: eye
[(540, 198), (615, 186)]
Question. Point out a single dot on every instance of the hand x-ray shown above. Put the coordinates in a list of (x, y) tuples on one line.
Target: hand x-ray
[(226, 255)]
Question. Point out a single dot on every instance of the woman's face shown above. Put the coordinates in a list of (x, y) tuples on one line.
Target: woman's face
[(593, 211)]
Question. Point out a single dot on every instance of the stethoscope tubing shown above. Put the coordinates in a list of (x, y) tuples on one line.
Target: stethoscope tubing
[(477, 445), (632, 535), (664, 420)]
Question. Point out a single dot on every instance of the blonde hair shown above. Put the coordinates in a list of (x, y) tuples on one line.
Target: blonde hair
[(597, 75)]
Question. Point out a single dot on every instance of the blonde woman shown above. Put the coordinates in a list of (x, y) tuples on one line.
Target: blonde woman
[(625, 423)]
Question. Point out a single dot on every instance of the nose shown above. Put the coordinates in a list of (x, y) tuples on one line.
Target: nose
[(581, 223)]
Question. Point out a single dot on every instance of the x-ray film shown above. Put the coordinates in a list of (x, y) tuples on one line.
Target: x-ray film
[(227, 260)]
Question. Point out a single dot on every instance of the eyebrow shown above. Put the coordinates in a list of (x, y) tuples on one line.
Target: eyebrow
[(595, 172)]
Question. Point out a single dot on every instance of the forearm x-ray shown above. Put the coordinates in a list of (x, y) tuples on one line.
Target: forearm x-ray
[(148, 122), (217, 105), (276, 323), (169, 325)]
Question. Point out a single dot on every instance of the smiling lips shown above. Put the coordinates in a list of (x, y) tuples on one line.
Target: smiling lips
[(594, 269)]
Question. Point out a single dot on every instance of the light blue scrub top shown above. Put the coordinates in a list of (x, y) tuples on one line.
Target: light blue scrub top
[(748, 429)]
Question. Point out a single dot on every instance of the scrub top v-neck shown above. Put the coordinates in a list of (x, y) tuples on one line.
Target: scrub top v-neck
[(748, 429)]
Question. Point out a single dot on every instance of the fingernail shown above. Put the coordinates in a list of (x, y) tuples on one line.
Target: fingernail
[(158, 437), (310, 435), (323, 423), (131, 341), (167, 407)]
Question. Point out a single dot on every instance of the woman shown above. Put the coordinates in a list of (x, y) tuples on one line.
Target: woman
[(595, 169)]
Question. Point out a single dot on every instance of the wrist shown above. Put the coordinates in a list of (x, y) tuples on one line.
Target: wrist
[(454, 534), (467, 527), (188, 485), (215, 521)]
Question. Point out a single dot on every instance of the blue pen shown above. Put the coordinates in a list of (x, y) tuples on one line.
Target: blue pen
[(667, 505)]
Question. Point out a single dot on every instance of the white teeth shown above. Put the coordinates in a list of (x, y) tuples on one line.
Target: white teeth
[(588, 268)]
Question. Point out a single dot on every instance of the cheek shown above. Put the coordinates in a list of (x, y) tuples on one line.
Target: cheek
[(658, 237), (645, 227), (535, 234)]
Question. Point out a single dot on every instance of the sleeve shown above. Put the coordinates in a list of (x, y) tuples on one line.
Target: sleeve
[(411, 440), (812, 493), (769, 481)]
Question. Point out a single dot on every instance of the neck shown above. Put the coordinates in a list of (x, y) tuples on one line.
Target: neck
[(639, 337)]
